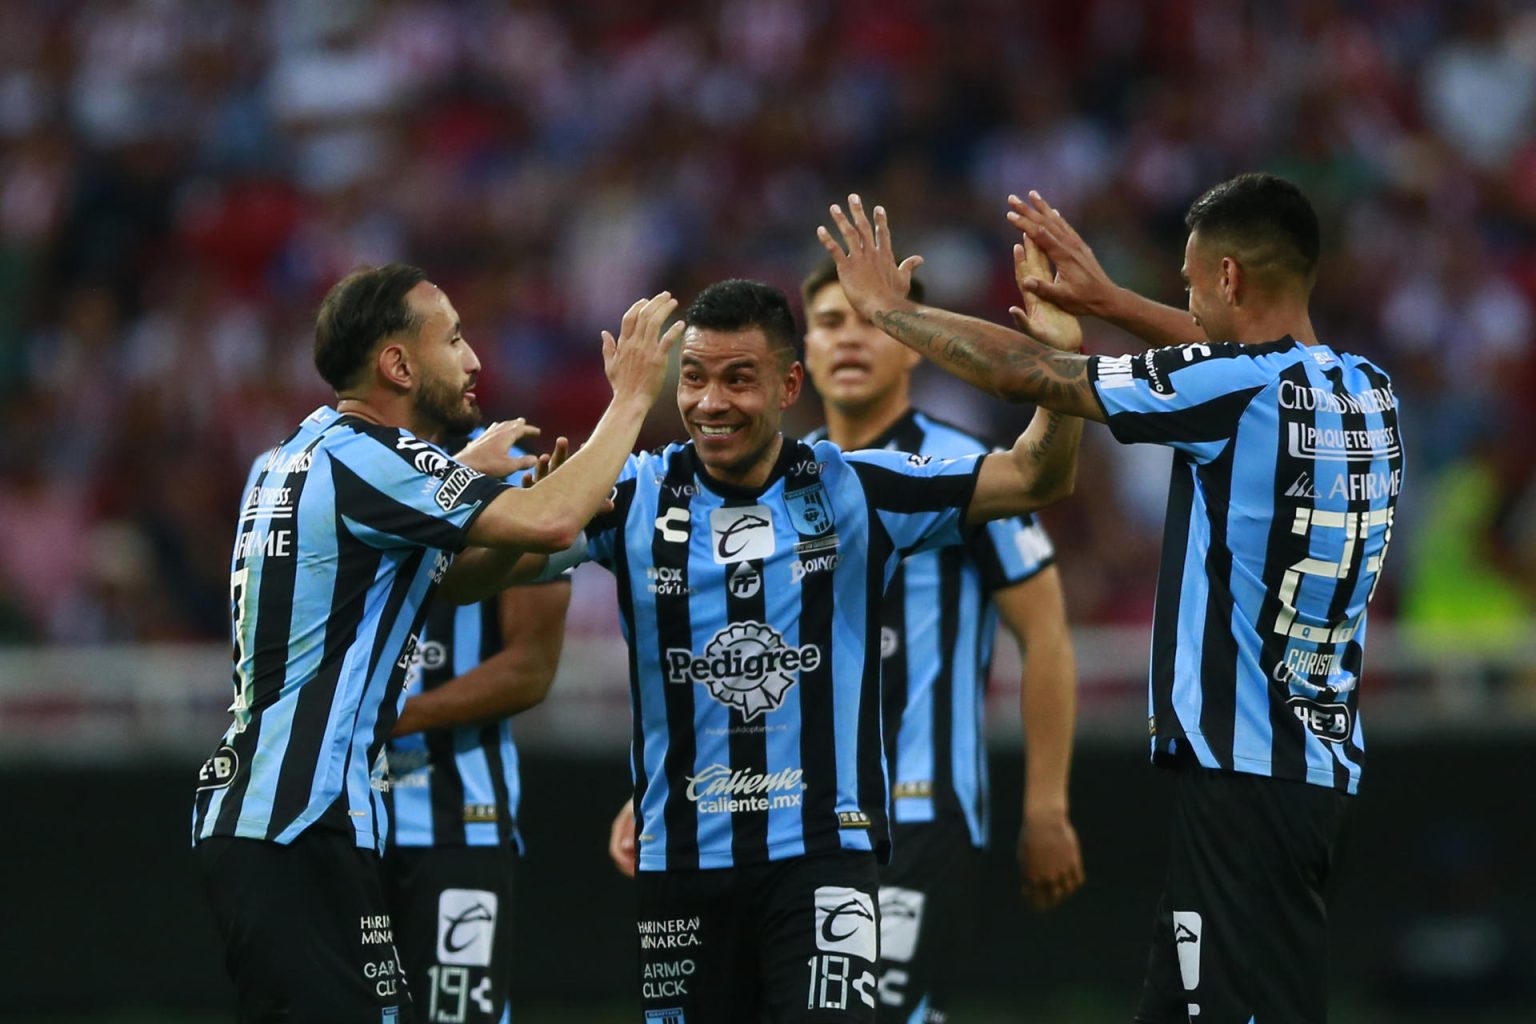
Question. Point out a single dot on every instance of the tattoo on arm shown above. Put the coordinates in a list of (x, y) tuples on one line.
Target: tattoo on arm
[(995, 359)]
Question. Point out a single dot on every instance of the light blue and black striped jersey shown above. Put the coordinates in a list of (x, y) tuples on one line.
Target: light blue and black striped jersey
[(345, 530), (938, 624), (459, 786), (753, 623), (1287, 465)]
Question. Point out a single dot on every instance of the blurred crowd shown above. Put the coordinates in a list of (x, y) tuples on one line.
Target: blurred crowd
[(181, 181)]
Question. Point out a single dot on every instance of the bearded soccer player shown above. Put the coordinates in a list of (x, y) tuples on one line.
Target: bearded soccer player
[(750, 570), (1287, 466), (347, 528), (938, 623)]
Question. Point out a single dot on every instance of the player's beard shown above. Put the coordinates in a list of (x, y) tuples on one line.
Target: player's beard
[(445, 406)]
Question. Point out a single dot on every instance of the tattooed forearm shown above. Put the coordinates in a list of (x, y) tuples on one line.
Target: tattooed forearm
[(1002, 362)]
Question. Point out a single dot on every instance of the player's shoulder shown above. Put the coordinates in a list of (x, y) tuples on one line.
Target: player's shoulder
[(945, 439)]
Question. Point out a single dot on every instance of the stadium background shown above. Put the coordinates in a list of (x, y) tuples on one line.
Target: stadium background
[(180, 181)]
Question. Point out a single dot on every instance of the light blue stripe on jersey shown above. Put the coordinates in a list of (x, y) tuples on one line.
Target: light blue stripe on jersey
[(849, 629), (921, 647), (711, 719), (966, 707), (469, 755), (644, 642), (1248, 535), (1188, 698)]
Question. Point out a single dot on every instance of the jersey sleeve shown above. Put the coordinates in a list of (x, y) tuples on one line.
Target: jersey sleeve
[(1009, 551), (920, 500), (603, 531), (395, 490), (1188, 397)]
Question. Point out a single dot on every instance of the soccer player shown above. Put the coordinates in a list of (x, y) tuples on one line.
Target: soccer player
[(454, 790), (938, 622), (750, 570), (346, 529), (1287, 467)]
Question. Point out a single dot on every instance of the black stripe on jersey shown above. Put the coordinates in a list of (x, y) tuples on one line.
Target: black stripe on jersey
[(1218, 647), (945, 803), (445, 784), (1344, 589), (1208, 421), (1166, 609), (893, 669), (674, 628), (370, 506), (818, 743), (1283, 548), (491, 643), (874, 791), (893, 492), (622, 497), (748, 745)]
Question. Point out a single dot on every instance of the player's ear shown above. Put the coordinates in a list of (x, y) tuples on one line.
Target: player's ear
[(1231, 280), (794, 381), (394, 366)]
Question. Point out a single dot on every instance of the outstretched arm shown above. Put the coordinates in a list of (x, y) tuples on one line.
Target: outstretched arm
[(1001, 362), (1081, 286)]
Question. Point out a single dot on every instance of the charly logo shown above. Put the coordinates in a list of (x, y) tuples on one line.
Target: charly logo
[(740, 533), (746, 666)]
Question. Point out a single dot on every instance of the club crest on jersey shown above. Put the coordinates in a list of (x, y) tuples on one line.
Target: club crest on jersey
[(740, 533), (747, 666), (809, 510)]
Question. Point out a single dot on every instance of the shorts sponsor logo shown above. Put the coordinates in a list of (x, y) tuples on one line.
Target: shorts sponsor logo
[(744, 581), (466, 927), (1186, 940), (219, 770), (1333, 444), (799, 570), (845, 922), (717, 789), (901, 922), (746, 666), (669, 933), (673, 525), (454, 486), (741, 533), (666, 979)]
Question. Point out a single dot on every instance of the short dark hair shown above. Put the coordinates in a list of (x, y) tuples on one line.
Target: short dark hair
[(826, 273), (358, 312), (738, 305), (1265, 216)]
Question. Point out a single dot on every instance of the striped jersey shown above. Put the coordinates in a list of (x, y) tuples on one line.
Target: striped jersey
[(938, 624), (753, 624), (345, 530), (1287, 465), (459, 786)]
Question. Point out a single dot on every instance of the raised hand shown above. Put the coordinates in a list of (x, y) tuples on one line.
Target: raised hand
[(547, 464), (1039, 318), (868, 271), (636, 362), (488, 453), (1080, 287)]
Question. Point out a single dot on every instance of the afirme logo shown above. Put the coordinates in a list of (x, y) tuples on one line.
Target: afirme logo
[(747, 666)]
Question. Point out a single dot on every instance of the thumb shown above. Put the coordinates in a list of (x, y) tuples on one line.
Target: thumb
[(910, 264), (1020, 318)]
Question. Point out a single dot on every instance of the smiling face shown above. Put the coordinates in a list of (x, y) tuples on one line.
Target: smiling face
[(732, 391), (857, 368), (444, 365)]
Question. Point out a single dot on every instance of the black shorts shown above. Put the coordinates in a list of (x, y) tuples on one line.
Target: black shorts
[(307, 934), (452, 908), (927, 912), (790, 941), (1242, 929)]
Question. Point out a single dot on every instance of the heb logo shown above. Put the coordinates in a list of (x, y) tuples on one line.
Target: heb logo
[(746, 666), (1332, 723), (219, 770)]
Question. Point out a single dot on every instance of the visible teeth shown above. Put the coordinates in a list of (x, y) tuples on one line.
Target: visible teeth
[(715, 431)]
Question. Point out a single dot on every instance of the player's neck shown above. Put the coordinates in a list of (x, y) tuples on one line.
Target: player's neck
[(852, 428), (1275, 323), (753, 477), (385, 410)]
